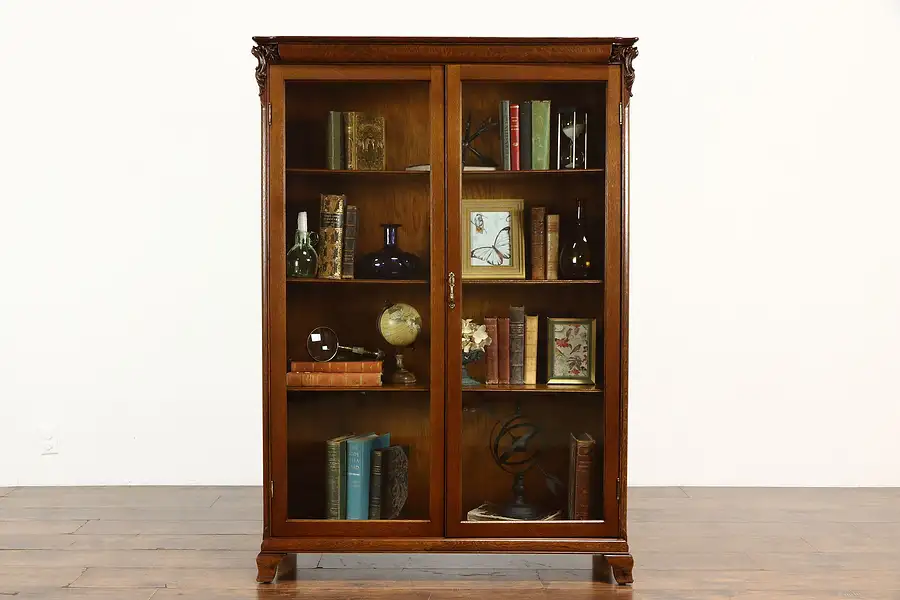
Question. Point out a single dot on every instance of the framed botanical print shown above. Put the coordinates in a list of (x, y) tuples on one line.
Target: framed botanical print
[(572, 351), (493, 241)]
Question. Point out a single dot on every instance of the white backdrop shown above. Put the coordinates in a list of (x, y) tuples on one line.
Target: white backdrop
[(765, 207)]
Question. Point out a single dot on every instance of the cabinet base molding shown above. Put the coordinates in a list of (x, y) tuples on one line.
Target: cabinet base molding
[(601, 547), (270, 563), (609, 567)]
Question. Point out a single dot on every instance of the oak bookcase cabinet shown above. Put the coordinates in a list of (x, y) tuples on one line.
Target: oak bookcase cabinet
[(426, 88)]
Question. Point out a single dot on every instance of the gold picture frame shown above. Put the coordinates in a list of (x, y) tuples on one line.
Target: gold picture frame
[(572, 351), (493, 239)]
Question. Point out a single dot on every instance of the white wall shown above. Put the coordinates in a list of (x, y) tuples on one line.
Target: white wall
[(765, 205)]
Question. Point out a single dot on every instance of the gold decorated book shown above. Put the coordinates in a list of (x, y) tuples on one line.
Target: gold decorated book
[(552, 250), (364, 141), (331, 235), (531, 338)]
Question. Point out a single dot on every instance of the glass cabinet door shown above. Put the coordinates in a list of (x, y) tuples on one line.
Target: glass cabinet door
[(534, 250), (357, 167)]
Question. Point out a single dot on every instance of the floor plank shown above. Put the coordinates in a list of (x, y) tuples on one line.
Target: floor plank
[(85, 594), (130, 513), (165, 542), (14, 580), (22, 527), (181, 527), (166, 577), (36, 542), (162, 496), (210, 559)]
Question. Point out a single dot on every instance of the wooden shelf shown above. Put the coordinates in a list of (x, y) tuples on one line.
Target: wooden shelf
[(538, 388), (503, 173), (354, 172), (346, 281), (389, 387), (532, 281)]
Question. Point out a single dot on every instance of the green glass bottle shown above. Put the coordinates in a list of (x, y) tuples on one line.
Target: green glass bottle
[(302, 260)]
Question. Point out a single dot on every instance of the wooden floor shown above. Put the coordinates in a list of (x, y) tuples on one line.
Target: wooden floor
[(688, 543)]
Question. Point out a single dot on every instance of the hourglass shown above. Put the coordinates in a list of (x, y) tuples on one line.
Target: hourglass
[(571, 139)]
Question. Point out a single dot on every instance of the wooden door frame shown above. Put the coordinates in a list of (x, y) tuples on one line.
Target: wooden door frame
[(612, 525), (275, 312)]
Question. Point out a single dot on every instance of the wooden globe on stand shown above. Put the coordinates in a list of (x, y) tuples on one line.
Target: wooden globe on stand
[(399, 324)]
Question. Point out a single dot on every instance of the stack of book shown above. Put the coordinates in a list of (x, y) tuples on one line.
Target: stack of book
[(367, 477), (525, 135), (363, 373), (544, 244), (512, 359), (355, 141), (338, 224)]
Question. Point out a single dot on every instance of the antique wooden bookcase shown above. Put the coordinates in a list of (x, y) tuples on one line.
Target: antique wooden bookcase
[(426, 88)]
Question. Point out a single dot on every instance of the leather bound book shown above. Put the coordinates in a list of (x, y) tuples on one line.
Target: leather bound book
[(351, 224), (503, 350), (540, 135), (531, 338), (393, 485), (336, 475), (581, 459), (320, 379), (504, 135), (335, 141), (337, 366), (331, 235), (552, 247), (491, 352), (349, 122), (538, 243), (375, 484), (364, 141), (525, 136), (516, 345), (513, 137)]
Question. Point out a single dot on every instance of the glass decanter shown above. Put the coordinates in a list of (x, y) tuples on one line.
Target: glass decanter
[(302, 259), (575, 256), (390, 262)]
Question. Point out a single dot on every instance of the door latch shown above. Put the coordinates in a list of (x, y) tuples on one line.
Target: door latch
[(451, 279)]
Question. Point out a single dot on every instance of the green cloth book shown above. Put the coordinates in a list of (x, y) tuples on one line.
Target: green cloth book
[(540, 135), (359, 472), (335, 141)]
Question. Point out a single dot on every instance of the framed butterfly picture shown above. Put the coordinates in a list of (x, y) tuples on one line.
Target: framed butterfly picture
[(493, 241)]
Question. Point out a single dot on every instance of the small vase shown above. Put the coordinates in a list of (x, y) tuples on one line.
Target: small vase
[(468, 358), (390, 262)]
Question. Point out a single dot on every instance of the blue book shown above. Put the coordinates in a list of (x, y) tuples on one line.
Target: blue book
[(359, 470)]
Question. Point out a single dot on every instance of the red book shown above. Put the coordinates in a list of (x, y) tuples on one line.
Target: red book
[(513, 137), (490, 325), (503, 350)]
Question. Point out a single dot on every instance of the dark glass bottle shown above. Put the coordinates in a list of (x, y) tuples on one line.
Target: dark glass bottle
[(575, 256), (390, 262)]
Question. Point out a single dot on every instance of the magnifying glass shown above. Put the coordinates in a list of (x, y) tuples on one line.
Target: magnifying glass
[(322, 344)]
